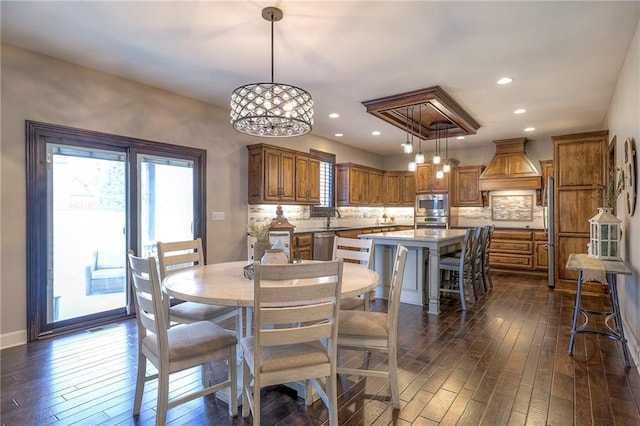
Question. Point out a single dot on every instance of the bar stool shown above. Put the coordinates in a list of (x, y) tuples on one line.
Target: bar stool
[(613, 321)]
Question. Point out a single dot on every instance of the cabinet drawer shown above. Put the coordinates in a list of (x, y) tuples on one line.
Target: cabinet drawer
[(304, 240), (540, 236), (499, 246), (511, 235), (513, 261)]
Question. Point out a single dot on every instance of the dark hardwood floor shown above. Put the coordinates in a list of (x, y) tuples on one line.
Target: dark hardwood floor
[(504, 361)]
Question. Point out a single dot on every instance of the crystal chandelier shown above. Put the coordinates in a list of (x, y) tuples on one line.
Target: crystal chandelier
[(271, 109)]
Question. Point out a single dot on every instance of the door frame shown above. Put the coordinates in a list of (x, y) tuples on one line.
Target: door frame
[(38, 135)]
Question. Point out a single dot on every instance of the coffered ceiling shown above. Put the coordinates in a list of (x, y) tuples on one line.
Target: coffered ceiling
[(564, 57)]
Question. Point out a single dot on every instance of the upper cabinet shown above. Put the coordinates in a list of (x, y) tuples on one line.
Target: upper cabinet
[(399, 188), (366, 186), (467, 186), (307, 179), (279, 175), (427, 181)]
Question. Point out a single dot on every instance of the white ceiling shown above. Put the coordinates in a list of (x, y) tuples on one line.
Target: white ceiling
[(564, 56)]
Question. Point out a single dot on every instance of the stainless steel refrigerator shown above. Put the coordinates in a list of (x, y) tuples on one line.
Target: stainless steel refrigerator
[(550, 228)]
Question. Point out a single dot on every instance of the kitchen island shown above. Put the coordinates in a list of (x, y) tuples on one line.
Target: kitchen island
[(421, 283)]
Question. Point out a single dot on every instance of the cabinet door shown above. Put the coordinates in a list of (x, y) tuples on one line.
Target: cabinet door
[(540, 255), (440, 185), (376, 186), (408, 189), (314, 181), (574, 208), (424, 181), (574, 159), (287, 176), (359, 185), (302, 178), (392, 189), (272, 173), (467, 187)]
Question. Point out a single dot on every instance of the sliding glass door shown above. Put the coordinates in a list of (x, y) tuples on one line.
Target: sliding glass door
[(92, 197)]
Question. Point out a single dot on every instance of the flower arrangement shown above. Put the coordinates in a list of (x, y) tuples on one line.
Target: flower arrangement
[(260, 231)]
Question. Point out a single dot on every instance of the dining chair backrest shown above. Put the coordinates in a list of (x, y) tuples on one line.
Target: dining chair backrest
[(486, 268), (354, 249), (177, 255), (310, 306), (393, 309), (295, 332), (148, 299), (478, 259)]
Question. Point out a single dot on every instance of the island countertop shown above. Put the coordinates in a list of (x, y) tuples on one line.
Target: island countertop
[(418, 235)]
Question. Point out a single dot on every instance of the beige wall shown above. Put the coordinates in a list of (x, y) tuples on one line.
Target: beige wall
[(623, 121), (40, 88)]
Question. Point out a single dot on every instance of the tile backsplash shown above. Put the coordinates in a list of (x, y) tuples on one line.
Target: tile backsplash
[(300, 216), (507, 209)]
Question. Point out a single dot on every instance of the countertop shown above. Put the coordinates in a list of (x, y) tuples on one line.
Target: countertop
[(345, 228), (426, 235)]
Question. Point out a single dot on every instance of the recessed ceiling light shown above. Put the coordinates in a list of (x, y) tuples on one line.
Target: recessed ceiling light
[(520, 111), (505, 80), (375, 133), (460, 138), (334, 115), (339, 135), (529, 129)]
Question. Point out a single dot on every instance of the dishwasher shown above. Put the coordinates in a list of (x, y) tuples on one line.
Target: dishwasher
[(323, 245)]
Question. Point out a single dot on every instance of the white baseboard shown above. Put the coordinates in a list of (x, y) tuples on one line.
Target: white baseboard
[(632, 344), (16, 338)]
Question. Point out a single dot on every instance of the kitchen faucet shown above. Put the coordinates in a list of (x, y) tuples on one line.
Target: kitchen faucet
[(329, 216)]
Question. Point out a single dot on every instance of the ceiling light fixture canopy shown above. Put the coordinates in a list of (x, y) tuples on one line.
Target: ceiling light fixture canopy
[(271, 109)]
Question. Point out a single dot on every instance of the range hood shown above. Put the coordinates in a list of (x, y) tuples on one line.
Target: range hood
[(510, 168)]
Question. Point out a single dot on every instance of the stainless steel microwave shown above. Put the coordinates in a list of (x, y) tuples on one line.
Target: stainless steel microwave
[(432, 205)]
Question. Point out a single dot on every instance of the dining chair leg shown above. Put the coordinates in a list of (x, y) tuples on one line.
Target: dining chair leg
[(246, 389), (233, 377), (332, 395), (463, 302), (163, 397), (393, 373), (140, 380)]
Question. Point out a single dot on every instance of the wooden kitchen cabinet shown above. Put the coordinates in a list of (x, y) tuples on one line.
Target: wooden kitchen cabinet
[(283, 176), (426, 180), (540, 251), (303, 246), (399, 188), (466, 185), (376, 187), (408, 189), (307, 179), (511, 250), (580, 181)]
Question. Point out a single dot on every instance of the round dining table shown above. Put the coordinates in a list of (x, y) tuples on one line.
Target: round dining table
[(225, 283)]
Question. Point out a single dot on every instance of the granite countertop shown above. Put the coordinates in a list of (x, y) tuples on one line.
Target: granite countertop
[(423, 234), (345, 228)]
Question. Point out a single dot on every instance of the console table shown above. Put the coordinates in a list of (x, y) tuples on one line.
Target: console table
[(605, 271)]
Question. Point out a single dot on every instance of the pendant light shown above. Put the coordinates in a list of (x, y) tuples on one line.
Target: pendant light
[(271, 109), (407, 146), (447, 167), (412, 166), (436, 157), (419, 155)]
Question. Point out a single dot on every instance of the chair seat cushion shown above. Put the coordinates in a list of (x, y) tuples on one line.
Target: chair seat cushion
[(193, 340), (199, 311), (367, 324), (352, 303), (277, 358), (447, 261)]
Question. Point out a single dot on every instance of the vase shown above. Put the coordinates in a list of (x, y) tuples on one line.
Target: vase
[(259, 247), (273, 257)]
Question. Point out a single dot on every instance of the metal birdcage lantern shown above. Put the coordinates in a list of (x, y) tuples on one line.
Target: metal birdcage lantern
[(604, 232)]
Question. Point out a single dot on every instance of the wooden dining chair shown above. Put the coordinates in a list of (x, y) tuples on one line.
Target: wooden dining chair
[(360, 251), (376, 331), (294, 332), (457, 270), (486, 250), (177, 348), (177, 255)]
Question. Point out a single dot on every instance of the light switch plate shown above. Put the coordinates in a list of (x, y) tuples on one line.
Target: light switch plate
[(217, 216)]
